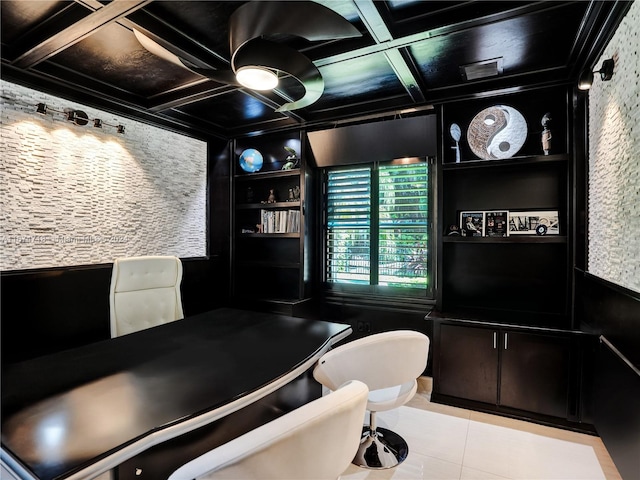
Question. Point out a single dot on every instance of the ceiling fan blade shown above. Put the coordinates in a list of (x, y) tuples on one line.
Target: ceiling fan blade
[(220, 76), (259, 52), (308, 20), (158, 49)]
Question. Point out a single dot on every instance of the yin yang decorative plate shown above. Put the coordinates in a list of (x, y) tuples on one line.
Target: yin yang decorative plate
[(497, 132)]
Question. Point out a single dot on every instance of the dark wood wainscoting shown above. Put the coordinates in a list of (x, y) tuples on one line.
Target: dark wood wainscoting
[(48, 310), (613, 312)]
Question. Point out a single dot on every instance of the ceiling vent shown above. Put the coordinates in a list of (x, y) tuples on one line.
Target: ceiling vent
[(483, 69)]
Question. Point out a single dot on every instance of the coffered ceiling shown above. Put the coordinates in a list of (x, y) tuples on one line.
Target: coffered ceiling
[(410, 55)]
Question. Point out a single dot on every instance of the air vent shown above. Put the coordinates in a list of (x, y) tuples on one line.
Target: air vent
[(483, 69)]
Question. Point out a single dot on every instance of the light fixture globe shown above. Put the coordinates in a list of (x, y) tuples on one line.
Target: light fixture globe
[(257, 78)]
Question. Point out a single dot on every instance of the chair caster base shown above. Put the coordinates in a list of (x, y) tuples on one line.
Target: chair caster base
[(383, 449)]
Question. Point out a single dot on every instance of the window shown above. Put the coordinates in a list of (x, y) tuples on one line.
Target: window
[(377, 228)]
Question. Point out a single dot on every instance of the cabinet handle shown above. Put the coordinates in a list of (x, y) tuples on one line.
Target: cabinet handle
[(505, 340), (495, 340)]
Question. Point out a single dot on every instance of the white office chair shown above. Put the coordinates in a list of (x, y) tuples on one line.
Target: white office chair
[(315, 441), (389, 364), (145, 292)]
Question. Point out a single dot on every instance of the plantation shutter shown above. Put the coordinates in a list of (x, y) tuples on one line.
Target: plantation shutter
[(348, 241)]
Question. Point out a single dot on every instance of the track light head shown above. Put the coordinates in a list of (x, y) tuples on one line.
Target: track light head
[(77, 116), (606, 73)]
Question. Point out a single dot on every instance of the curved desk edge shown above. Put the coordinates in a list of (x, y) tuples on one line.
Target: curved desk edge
[(181, 428)]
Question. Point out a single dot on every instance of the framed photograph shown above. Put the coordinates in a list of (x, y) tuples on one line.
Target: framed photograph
[(496, 223), (534, 222), (472, 223)]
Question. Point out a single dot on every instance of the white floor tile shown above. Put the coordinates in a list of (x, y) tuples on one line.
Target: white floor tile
[(451, 447), (428, 433), (415, 467), (473, 474), (521, 455)]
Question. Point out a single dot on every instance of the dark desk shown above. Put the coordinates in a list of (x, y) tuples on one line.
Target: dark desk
[(84, 411)]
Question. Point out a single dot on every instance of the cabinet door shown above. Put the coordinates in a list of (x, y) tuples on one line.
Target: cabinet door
[(534, 372), (468, 363)]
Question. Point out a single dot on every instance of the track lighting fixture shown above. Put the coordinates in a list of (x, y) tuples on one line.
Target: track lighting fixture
[(606, 73), (78, 117)]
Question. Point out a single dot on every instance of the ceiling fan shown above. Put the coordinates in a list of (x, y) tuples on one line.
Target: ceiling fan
[(256, 60)]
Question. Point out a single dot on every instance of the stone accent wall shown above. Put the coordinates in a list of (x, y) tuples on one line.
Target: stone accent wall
[(79, 195), (614, 161)]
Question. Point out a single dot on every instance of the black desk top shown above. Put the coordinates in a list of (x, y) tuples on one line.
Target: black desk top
[(85, 410)]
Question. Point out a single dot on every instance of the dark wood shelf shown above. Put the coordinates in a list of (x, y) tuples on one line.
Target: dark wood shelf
[(268, 206), (268, 264), (511, 239), (294, 172), (513, 161), (270, 235)]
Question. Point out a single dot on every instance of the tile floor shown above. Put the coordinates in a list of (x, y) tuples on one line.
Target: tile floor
[(452, 443)]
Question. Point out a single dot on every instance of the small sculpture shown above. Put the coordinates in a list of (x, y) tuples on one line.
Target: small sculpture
[(546, 133), (271, 198), (292, 161), (455, 134)]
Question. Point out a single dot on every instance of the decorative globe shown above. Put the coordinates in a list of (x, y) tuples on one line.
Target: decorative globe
[(251, 160)]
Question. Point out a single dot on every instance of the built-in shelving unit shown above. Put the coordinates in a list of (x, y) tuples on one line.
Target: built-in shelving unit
[(520, 273), (269, 229), (503, 338)]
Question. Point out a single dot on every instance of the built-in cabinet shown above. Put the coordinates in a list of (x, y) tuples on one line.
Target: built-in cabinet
[(270, 236), (506, 367)]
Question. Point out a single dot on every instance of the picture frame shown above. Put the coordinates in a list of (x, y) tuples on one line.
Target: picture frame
[(496, 223), (472, 223), (534, 222)]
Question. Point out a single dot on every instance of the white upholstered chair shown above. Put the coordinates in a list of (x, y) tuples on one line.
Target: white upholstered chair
[(145, 292), (315, 441), (389, 364)]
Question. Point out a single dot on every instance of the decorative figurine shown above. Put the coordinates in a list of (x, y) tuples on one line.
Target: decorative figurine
[(292, 161), (455, 134), (546, 133), (271, 198)]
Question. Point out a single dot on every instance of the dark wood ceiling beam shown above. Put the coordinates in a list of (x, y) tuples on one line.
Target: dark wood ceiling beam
[(595, 32), (184, 96), (407, 41), (379, 31), (78, 31)]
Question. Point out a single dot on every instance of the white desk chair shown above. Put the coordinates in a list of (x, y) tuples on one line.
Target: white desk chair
[(389, 364), (145, 292), (315, 441)]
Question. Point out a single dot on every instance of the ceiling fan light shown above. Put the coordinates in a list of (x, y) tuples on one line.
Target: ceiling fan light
[(257, 78)]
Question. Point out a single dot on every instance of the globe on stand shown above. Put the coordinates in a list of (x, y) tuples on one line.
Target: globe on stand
[(251, 160)]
